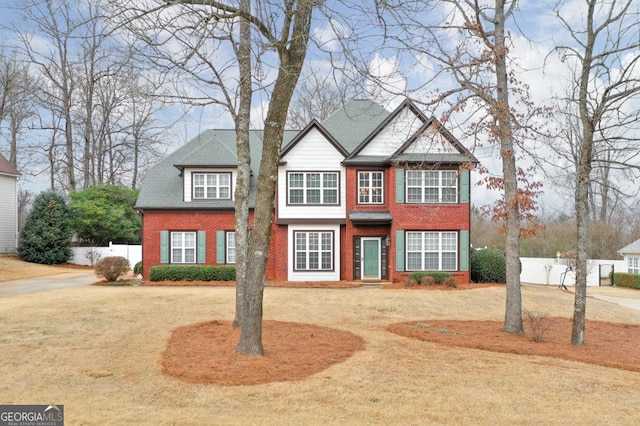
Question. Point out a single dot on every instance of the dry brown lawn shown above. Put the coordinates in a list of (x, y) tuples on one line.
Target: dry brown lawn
[(101, 351), (12, 268)]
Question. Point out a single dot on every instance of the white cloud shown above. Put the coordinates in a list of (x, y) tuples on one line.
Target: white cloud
[(389, 86), (328, 37)]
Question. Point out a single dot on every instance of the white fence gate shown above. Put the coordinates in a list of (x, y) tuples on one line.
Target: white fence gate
[(552, 271), (92, 255)]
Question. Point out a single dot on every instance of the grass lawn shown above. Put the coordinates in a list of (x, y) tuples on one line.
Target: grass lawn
[(99, 351)]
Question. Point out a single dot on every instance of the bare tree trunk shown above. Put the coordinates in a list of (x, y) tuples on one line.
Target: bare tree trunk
[(291, 61), (513, 309), (243, 151), (583, 184)]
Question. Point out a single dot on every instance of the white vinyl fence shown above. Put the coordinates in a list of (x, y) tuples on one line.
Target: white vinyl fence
[(92, 255), (552, 271)]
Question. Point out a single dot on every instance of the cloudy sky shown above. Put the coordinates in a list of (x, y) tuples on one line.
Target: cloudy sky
[(533, 33)]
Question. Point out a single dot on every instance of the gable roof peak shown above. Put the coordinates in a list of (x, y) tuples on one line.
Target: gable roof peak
[(354, 121), (7, 168)]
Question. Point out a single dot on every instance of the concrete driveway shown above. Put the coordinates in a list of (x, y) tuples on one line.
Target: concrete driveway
[(627, 297), (48, 282)]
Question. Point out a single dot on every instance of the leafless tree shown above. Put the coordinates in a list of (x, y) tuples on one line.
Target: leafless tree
[(198, 31), (56, 23), (16, 102), (185, 43), (466, 42), (93, 114), (316, 97), (602, 54)]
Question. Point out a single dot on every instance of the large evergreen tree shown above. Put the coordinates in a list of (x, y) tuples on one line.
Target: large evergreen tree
[(46, 236)]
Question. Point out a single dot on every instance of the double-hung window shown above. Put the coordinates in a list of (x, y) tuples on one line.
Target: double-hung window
[(633, 265), (432, 251), (230, 255), (183, 247), (432, 186), (370, 185), (313, 251), (212, 186), (313, 188)]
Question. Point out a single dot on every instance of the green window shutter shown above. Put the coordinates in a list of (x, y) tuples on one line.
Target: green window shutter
[(400, 186), (220, 245), (164, 246), (464, 250), (202, 246), (400, 251), (464, 186)]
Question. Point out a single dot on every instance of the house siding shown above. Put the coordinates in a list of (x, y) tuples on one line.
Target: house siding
[(8, 214), (394, 134), (188, 180), (312, 154)]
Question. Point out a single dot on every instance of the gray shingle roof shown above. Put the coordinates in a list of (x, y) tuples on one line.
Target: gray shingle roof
[(634, 247), (351, 124), (162, 186), (349, 127)]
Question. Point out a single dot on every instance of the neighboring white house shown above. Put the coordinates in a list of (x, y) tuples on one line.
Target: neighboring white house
[(8, 206), (631, 254)]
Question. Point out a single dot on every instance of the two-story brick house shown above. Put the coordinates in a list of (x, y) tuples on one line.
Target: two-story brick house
[(367, 194)]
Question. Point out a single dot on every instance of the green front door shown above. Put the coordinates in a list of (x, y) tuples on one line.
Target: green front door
[(370, 258)]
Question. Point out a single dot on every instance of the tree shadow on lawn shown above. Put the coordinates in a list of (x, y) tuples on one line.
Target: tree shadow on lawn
[(204, 353)]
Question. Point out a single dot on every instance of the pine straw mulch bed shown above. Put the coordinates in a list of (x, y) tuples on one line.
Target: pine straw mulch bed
[(606, 344), (204, 353)]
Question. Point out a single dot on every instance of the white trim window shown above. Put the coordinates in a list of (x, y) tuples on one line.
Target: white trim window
[(432, 251), (313, 251), (432, 186), (183, 247), (230, 247), (633, 265), (313, 188), (211, 186), (370, 187)]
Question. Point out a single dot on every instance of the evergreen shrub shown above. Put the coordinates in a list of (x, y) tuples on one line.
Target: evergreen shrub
[(419, 277), (192, 273), (623, 279), (488, 266)]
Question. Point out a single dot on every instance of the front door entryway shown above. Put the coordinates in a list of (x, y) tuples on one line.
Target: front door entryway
[(370, 258)]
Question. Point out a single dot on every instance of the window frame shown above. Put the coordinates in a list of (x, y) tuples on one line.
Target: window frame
[(369, 191), (440, 187), (227, 247), (183, 248), (305, 188), (631, 260), (319, 251), (206, 186), (424, 249)]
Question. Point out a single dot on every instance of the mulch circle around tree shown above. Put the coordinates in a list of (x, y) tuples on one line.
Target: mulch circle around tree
[(203, 353), (607, 344)]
